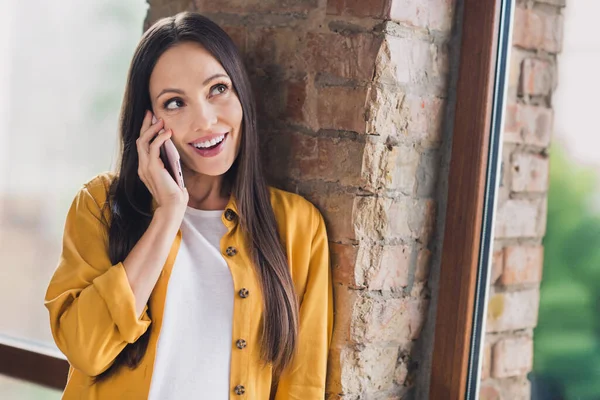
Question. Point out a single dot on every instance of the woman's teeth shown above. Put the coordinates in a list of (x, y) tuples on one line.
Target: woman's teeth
[(209, 143)]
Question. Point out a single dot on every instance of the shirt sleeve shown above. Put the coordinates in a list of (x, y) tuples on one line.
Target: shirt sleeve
[(90, 301), (305, 378)]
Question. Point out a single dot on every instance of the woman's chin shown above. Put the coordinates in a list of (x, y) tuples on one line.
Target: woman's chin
[(204, 171)]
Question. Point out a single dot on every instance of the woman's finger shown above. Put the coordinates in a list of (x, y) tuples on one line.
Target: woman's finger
[(149, 133), (146, 122), (142, 151), (154, 152)]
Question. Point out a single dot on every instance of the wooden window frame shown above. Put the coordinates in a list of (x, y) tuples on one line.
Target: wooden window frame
[(472, 185), (33, 367)]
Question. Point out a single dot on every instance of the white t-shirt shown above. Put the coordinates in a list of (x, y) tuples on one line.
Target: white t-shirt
[(194, 347)]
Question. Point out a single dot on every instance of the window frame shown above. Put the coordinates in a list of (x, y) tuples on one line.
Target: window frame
[(473, 180), (33, 367)]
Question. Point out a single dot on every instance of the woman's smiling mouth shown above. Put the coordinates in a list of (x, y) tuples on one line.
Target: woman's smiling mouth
[(210, 146)]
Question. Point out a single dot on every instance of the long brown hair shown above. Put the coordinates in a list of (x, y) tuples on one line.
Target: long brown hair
[(130, 202)]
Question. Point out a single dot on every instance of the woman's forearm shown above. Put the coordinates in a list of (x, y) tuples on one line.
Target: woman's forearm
[(147, 258)]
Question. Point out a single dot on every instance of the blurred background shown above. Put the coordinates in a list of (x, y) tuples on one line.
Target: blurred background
[(62, 73), (567, 338)]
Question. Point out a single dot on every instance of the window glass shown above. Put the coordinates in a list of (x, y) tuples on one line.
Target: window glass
[(63, 67)]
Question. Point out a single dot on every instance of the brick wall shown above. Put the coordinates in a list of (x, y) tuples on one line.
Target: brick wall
[(352, 99), (521, 219), (356, 104)]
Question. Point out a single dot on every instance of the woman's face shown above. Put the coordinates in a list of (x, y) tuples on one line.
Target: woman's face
[(193, 94)]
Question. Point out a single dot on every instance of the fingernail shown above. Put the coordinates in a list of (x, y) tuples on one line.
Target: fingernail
[(153, 119)]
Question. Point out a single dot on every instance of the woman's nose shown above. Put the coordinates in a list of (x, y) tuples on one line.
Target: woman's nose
[(205, 117)]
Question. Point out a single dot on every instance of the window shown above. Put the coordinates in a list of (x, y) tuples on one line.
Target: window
[(62, 74)]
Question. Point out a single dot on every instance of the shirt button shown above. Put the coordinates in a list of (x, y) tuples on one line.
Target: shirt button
[(240, 390), (229, 215), (240, 344), (231, 251), (244, 293)]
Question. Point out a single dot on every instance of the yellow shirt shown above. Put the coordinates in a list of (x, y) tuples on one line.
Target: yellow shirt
[(92, 306)]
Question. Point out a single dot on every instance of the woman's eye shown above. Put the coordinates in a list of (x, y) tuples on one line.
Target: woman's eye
[(173, 104), (218, 89)]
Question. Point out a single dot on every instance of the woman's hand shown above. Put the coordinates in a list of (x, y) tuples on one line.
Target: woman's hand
[(152, 171)]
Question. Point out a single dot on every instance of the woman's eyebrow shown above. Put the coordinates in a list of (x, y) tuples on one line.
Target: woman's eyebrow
[(181, 92), (218, 75), (178, 91)]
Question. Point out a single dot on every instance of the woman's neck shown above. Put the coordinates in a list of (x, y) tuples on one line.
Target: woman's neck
[(205, 191)]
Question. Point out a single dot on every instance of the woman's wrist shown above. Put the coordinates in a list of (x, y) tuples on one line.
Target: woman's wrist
[(168, 217)]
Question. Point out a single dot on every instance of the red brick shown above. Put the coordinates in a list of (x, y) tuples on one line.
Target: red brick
[(559, 3), (296, 101), (497, 265), (345, 300), (529, 173), (402, 168), (336, 208), (222, 6), (489, 391), (246, 6), (515, 388), (263, 46), (429, 213), (334, 370), (347, 56), (512, 357), (512, 124), (287, 6), (375, 365), (238, 34), (528, 124), (385, 267), (423, 117), (271, 99), (537, 77), (377, 218), (417, 314), (519, 218), (343, 262), (390, 167), (359, 8), (401, 374), (537, 125), (423, 265), (486, 362), (327, 159), (514, 75), (301, 103), (279, 47), (537, 29), (513, 310), (409, 60), (430, 14), (341, 107), (388, 320), (523, 264)]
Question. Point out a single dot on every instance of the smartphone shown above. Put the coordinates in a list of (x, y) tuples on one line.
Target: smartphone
[(170, 158)]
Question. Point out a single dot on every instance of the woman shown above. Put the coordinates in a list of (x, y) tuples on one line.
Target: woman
[(219, 290)]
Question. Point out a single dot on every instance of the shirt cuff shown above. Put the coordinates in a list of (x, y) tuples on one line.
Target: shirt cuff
[(114, 288)]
